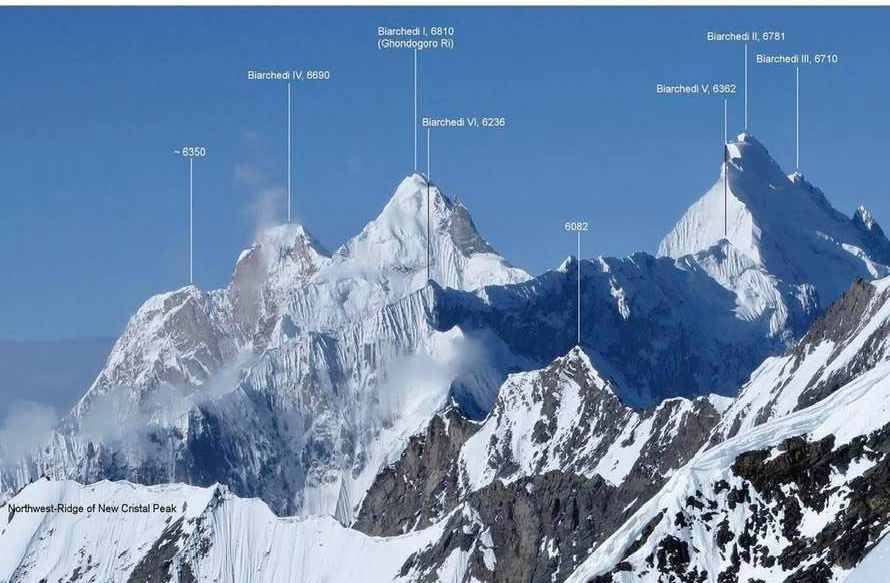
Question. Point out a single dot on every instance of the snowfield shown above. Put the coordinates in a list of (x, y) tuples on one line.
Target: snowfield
[(213, 536)]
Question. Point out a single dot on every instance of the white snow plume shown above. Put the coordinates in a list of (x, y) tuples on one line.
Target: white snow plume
[(411, 390), (268, 207), (417, 384), (267, 203), (112, 416)]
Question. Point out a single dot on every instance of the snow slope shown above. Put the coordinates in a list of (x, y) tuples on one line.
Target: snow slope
[(873, 567), (210, 535), (847, 340), (388, 259)]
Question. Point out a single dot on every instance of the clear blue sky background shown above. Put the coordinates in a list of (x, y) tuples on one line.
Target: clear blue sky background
[(93, 214)]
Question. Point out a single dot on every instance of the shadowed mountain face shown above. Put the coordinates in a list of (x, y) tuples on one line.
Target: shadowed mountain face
[(661, 327)]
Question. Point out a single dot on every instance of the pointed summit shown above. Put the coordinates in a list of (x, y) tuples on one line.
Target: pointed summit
[(784, 224), (862, 215), (748, 155), (873, 234), (570, 263), (577, 363), (420, 225), (282, 259)]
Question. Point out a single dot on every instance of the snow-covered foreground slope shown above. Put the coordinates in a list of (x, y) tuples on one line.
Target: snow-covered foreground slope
[(875, 565), (799, 492), (184, 534)]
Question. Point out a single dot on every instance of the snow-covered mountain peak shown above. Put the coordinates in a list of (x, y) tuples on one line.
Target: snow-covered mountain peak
[(282, 259), (577, 364), (863, 216), (399, 232), (577, 354), (286, 282), (784, 224), (287, 249), (409, 186), (748, 155), (568, 264), (418, 225), (288, 236), (403, 221), (865, 222), (167, 302)]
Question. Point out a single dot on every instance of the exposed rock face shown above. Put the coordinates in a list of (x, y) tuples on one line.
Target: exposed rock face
[(536, 528), (557, 466), (804, 511), (423, 485), (340, 383), (839, 324)]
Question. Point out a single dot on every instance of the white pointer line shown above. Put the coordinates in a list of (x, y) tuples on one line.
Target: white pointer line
[(797, 118), (191, 221), (289, 149), (414, 127), (579, 287)]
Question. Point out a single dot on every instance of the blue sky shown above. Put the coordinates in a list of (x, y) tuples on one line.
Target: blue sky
[(93, 217)]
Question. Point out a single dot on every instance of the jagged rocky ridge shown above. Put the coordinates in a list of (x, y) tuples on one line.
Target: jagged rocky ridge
[(558, 465), (793, 490)]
